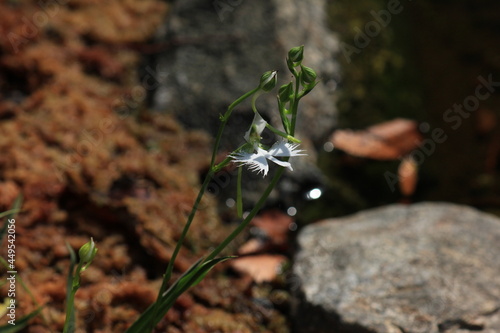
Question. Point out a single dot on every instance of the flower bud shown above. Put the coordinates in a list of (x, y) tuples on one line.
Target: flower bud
[(87, 251), (308, 74), (307, 89), (285, 92), (268, 80), (296, 54)]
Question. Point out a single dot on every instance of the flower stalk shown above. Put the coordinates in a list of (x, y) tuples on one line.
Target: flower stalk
[(255, 156)]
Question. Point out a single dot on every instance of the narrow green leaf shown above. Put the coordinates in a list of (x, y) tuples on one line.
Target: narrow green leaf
[(157, 311), (11, 213), (21, 323), (69, 325)]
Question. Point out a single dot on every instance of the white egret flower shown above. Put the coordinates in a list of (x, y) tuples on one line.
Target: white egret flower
[(256, 129), (257, 161)]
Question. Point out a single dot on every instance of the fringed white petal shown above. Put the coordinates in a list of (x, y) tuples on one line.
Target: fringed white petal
[(285, 149), (258, 161), (270, 157), (254, 162)]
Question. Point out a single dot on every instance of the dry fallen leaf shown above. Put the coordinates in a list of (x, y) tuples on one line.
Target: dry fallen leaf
[(385, 141), (253, 245), (262, 268), (486, 121), (408, 176), (275, 225)]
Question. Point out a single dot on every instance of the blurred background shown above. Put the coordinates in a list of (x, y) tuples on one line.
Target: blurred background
[(431, 57)]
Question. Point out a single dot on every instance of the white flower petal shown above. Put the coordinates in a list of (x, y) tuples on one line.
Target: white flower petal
[(285, 149), (270, 157), (255, 162), (258, 161), (257, 127), (282, 163)]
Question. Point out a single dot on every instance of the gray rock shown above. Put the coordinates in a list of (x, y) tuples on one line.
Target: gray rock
[(221, 48), (422, 268)]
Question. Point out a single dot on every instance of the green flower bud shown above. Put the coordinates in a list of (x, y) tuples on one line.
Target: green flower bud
[(87, 252), (268, 80), (296, 54), (290, 66), (307, 89), (308, 74), (285, 92)]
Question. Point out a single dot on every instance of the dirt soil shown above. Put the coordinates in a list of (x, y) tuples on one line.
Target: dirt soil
[(90, 161)]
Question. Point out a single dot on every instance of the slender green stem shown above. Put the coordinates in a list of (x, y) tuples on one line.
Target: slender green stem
[(69, 322), (248, 218), (294, 104), (170, 266), (229, 159), (224, 120), (282, 134), (70, 312), (254, 99), (206, 182), (270, 187)]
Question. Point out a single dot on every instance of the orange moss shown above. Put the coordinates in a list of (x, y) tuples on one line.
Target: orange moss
[(90, 162)]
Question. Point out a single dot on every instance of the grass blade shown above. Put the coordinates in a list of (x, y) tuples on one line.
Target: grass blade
[(21, 323)]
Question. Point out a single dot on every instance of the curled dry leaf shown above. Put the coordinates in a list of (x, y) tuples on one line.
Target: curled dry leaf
[(262, 268), (408, 176), (270, 232), (275, 225), (253, 245), (385, 141)]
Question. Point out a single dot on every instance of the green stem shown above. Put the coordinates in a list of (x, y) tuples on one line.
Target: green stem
[(254, 99), (68, 323), (270, 187), (282, 134), (294, 104), (224, 120), (170, 266), (249, 217), (229, 159)]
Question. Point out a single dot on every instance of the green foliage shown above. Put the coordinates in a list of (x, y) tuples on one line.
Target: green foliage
[(22, 322), (86, 253)]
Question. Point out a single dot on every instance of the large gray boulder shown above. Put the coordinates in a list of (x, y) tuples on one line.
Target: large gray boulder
[(422, 268), (219, 49)]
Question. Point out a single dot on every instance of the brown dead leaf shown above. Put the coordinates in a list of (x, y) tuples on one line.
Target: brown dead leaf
[(486, 121), (408, 176), (385, 141), (262, 268), (253, 245), (275, 224)]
